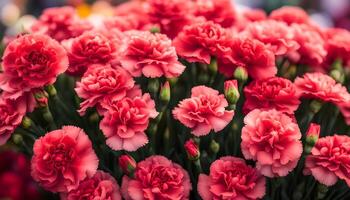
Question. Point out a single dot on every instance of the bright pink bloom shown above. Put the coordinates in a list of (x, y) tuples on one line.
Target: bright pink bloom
[(103, 82), (290, 15), (231, 178), (60, 23), (338, 46), (271, 93), (101, 186), (204, 111), (192, 149), (127, 164), (329, 160), (312, 50), (88, 49), (273, 140), (157, 178), (62, 159), (151, 55), (277, 36), (31, 61), (219, 11), (322, 87), (251, 55), (200, 42), (125, 122)]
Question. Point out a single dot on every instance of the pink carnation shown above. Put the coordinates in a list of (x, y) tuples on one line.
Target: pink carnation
[(273, 140), (231, 178), (31, 61), (157, 178), (151, 55), (200, 42), (204, 111), (312, 50), (62, 159), (60, 23), (250, 54), (338, 46), (88, 49), (271, 93), (329, 160), (219, 11), (322, 87), (290, 15), (278, 37), (103, 82), (101, 186), (254, 15)]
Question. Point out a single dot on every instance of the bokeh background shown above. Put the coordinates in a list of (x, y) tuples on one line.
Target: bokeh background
[(15, 179)]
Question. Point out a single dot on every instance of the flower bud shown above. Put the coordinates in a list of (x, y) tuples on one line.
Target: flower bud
[(153, 85), (51, 90), (316, 106), (213, 66), (17, 139), (192, 150), (313, 134), (214, 146), (165, 92), (155, 29), (231, 91), (241, 74), (26, 122), (41, 98), (338, 75), (127, 164)]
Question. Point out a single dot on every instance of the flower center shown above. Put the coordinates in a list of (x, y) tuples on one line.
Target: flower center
[(59, 156), (37, 58)]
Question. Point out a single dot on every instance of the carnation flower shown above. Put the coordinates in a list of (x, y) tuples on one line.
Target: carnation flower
[(151, 55), (278, 37), (219, 11), (231, 178), (251, 55), (290, 15), (60, 23), (254, 15), (273, 140), (157, 178), (125, 122), (88, 49), (122, 23), (204, 111), (312, 50), (102, 82), (329, 160), (271, 93), (101, 186), (322, 87), (338, 46), (31, 61), (200, 42), (62, 159)]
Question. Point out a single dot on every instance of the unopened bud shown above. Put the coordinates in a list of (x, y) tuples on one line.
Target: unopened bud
[(51, 90), (214, 146), (153, 85), (155, 29), (41, 98), (338, 75), (316, 106), (313, 133), (165, 92), (231, 91), (241, 74), (26, 122), (17, 138), (213, 66), (127, 164), (192, 150)]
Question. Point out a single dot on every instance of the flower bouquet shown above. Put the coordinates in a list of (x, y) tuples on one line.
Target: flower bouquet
[(177, 100)]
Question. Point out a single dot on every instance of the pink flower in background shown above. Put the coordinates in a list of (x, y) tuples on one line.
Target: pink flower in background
[(221, 12), (88, 49), (271, 93), (60, 23), (151, 55), (31, 61), (312, 50), (329, 160), (322, 87), (338, 46), (62, 159), (273, 140), (204, 111), (103, 82), (231, 178), (200, 42), (100, 186), (250, 54), (126, 120), (157, 178), (254, 15), (290, 15), (277, 36), (122, 23)]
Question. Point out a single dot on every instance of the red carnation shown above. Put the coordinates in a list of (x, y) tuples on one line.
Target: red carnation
[(338, 46), (290, 15)]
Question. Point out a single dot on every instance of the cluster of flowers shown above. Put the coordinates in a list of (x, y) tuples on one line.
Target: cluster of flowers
[(108, 56)]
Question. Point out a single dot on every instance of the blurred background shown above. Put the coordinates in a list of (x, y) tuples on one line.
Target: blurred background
[(15, 180)]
